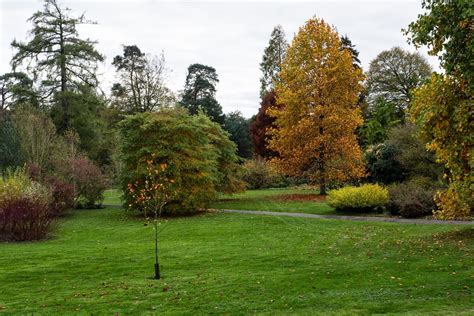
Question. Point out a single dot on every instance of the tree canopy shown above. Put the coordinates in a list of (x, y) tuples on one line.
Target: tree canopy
[(319, 86), (142, 81), (202, 156), (200, 92), (442, 108), (262, 124), (238, 128), (447, 28), (393, 75), (57, 56), (273, 57)]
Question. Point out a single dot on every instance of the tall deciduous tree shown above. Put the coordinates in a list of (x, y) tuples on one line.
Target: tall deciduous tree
[(57, 56), (443, 107), (272, 59), (314, 134), (142, 81), (200, 92), (393, 75), (260, 127), (447, 28)]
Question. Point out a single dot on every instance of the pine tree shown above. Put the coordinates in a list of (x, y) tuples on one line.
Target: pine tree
[(346, 43), (200, 92)]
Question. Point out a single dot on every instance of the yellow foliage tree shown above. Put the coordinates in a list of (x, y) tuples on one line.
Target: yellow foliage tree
[(319, 86), (444, 112)]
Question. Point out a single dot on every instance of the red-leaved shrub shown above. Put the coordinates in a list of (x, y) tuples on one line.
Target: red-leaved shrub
[(62, 195), (24, 219), (89, 182)]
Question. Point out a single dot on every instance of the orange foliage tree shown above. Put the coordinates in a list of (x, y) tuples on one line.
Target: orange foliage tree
[(157, 191), (314, 133)]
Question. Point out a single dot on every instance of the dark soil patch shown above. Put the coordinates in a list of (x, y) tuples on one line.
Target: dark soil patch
[(300, 197)]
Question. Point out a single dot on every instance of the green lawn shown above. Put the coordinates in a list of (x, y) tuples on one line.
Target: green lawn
[(101, 261), (112, 197), (267, 200), (256, 200)]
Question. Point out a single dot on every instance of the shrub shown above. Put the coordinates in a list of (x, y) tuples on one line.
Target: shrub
[(62, 194), (413, 198), (24, 219), (258, 174), (382, 165), (13, 184), (367, 197), (24, 207), (202, 156), (88, 181), (412, 154)]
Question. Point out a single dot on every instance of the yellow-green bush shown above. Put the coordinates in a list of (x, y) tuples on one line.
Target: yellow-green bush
[(13, 184), (367, 197)]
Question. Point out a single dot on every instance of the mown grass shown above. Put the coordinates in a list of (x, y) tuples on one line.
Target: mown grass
[(256, 200), (101, 262), (272, 200)]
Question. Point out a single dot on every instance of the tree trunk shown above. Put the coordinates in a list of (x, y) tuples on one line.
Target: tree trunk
[(322, 162)]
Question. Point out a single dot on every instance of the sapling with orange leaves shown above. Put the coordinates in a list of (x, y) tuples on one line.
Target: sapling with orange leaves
[(157, 190)]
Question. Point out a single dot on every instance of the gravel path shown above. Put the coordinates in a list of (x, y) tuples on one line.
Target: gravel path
[(352, 218)]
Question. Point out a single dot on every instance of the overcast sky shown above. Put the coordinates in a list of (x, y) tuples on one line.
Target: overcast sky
[(228, 35)]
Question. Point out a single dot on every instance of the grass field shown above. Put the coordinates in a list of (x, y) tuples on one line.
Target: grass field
[(277, 200), (101, 261)]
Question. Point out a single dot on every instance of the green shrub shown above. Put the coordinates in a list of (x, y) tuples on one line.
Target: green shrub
[(382, 165), (367, 197), (259, 174), (413, 198), (203, 158)]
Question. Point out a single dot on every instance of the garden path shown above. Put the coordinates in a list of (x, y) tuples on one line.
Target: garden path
[(342, 217), (352, 218)]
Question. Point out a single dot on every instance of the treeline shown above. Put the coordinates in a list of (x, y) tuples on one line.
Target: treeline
[(321, 120)]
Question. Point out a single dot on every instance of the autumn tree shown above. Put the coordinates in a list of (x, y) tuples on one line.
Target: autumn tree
[(57, 56), (442, 108), (273, 57), (314, 134), (203, 158), (158, 190), (260, 127), (393, 75), (200, 92), (141, 87)]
